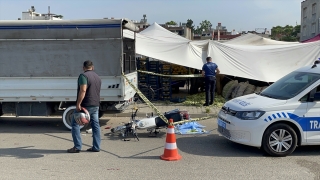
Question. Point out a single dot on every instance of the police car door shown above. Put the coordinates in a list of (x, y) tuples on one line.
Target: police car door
[(313, 117)]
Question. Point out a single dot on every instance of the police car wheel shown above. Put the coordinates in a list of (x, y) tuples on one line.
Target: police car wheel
[(279, 140)]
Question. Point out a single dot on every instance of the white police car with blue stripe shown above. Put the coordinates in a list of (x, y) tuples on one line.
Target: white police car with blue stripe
[(278, 119)]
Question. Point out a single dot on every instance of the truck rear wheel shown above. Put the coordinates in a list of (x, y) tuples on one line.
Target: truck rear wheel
[(101, 113), (67, 117), (1, 112), (279, 140)]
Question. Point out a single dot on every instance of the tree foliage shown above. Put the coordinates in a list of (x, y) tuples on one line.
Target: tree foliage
[(190, 25), (296, 30), (286, 33), (58, 16), (171, 23), (204, 26)]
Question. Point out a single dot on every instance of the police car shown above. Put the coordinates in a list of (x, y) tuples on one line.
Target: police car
[(280, 118)]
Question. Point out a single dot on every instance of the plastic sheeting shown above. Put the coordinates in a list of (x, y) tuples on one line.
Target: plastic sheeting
[(190, 128), (266, 61), (253, 39)]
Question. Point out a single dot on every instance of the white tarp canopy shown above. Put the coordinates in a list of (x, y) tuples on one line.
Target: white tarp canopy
[(253, 39), (267, 61)]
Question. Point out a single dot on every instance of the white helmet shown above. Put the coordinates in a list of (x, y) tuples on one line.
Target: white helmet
[(82, 117)]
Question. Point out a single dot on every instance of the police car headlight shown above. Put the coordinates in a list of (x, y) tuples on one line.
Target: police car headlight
[(249, 115)]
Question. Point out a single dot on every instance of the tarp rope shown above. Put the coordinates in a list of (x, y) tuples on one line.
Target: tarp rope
[(146, 100), (156, 110), (172, 75)]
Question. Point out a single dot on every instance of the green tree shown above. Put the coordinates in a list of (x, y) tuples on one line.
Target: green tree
[(190, 25), (276, 32), (205, 25), (287, 30), (198, 30), (171, 23), (296, 30), (286, 33), (58, 16)]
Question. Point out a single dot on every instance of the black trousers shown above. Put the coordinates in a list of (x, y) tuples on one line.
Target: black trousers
[(210, 83)]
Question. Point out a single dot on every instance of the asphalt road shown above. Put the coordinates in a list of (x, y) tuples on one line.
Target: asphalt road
[(35, 148)]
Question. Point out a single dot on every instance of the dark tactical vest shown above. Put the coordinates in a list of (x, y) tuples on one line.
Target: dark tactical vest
[(92, 97)]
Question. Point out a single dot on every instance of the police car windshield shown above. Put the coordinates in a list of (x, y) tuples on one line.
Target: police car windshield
[(290, 85)]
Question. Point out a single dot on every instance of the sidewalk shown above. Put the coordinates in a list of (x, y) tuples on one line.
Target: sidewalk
[(194, 111)]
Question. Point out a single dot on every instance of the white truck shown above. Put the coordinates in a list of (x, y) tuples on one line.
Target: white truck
[(40, 62)]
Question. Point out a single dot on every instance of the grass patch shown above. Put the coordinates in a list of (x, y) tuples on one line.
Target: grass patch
[(199, 100)]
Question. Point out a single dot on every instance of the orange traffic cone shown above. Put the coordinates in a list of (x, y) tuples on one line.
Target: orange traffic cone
[(170, 150)]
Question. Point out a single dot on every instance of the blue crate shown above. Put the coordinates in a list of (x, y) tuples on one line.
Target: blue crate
[(166, 88), (166, 98), (141, 63), (166, 93), (165, 80), (153, 66)]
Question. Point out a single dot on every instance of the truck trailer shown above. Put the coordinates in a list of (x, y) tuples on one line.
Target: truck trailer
[(40, 61)]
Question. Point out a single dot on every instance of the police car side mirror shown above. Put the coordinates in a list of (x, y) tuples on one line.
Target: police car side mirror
[(316, 96)]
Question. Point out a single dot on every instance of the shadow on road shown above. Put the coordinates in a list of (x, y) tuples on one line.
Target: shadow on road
[(201, 145), (215, 145), (307, 151), (143, 157), (26, 152), (141, 135), (36, 125)]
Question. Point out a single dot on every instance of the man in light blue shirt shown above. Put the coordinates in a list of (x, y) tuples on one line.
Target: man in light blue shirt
[(209, 71)]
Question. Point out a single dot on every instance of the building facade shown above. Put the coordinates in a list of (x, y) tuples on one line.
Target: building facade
[(310, 17), (220, 33), (32, 15), (142, 24)]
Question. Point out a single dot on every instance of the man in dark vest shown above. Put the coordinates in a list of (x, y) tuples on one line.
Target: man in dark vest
[(88, 96)]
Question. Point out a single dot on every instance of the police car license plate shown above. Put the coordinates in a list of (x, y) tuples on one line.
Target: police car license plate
[(222, 124)]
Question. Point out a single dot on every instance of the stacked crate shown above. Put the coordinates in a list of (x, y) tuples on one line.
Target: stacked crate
[(153, 80), (165, 82), (142, 77)]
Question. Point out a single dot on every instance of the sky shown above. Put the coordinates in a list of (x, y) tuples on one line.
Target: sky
[(240, 15)]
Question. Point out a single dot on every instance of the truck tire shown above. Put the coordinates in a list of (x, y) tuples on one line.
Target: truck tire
[(1, 112), (279, 140), (67, 117)]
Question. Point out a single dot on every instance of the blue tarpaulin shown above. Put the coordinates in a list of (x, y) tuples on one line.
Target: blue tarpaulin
[(190, 128)]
